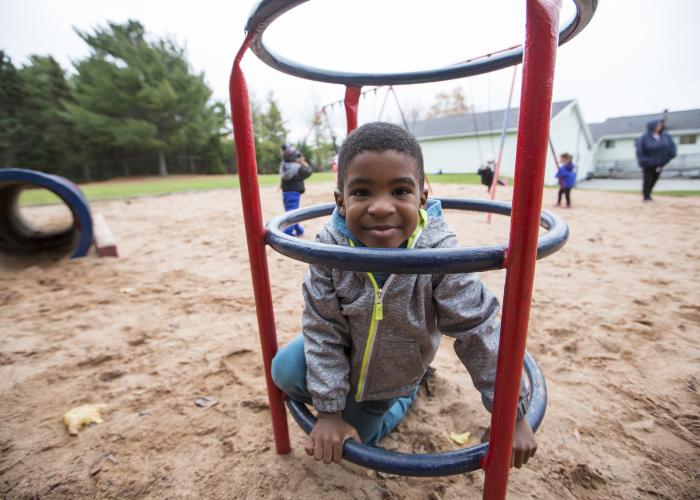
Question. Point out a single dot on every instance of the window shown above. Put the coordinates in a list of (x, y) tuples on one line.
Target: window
[(688, 139), (609, 143)]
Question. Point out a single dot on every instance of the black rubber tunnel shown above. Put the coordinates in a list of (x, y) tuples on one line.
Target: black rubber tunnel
[(19, 237)]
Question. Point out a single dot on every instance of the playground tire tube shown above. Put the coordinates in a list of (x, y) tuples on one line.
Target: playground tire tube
[(19, 237)]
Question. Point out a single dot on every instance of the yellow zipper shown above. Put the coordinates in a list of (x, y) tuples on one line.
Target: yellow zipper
[(378, 308)]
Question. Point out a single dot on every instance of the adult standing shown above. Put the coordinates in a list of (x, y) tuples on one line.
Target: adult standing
[(655, 149), (293, 171)]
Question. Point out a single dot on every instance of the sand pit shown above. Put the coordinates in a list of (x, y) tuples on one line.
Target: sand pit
[(615, 326)]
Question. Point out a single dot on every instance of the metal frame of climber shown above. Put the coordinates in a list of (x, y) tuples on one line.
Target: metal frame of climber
[(538, 54)]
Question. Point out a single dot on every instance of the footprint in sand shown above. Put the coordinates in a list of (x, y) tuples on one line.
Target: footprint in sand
[(586, 477), (244, 366), (690, 313)]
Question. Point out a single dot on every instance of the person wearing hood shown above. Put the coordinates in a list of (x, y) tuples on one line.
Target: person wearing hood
[(655, 149)]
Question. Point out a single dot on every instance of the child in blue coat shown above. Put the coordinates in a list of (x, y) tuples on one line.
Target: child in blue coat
[(567, 178)]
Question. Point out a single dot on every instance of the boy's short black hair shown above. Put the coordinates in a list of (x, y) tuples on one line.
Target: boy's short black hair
[(379, 137)]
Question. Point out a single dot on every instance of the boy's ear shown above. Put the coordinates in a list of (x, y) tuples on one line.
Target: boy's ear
[(339, 202), (424, 197)]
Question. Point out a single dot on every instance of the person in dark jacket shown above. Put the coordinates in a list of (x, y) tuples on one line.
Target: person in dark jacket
[(655, 149), (486, 172), (293, 171)]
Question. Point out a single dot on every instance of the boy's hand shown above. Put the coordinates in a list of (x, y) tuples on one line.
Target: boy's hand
[(524, 443), (327, 437)]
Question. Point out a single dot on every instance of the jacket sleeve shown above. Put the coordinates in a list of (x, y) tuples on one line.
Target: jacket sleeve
[(289, 170), (672, 154), (642, 157), (304, 171), (326, 342), (468, 312)]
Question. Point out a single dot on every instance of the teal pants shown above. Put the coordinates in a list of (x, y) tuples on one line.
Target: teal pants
[(372, 419)]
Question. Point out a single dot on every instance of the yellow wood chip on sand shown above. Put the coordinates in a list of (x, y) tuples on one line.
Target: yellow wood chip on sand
[(81, 416), (460, 438)]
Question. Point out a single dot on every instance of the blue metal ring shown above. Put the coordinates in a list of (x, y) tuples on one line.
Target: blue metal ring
[(269, 10), (14, 233), (399, 261), (430, 464)]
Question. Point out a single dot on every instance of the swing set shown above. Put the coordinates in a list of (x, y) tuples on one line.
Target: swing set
[(518, 257)]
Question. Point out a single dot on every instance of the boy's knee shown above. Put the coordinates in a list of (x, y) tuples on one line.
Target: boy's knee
[(278, 371)]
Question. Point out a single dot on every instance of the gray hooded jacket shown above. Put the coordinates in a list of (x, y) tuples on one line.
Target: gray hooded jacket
[(379, 342)]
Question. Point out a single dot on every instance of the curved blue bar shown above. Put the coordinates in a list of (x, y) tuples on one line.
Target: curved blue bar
[(17, 237), (269, 10), (430, 464), (399, 261)]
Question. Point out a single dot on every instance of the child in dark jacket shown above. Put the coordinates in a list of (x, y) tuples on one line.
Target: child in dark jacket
[(368, 338), (566, 173), (293, 171)]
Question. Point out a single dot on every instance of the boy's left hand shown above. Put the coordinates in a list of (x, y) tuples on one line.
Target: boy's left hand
[(524, 443)]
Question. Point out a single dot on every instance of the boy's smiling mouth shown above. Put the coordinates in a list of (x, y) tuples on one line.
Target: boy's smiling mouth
[(382, 231)]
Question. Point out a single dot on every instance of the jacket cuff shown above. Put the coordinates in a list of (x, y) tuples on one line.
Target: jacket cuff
[(330, 405), (523, 406)]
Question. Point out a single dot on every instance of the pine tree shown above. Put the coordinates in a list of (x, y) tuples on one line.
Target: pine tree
[(11, 99), (140, 95), (45, 140), (270, 134)]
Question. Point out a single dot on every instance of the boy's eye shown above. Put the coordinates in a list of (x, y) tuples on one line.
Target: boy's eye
[(402, 191), (359, 192)]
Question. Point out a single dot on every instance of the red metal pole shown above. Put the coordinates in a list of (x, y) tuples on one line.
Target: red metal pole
[(352, 99), (541, 39), (255, 234)]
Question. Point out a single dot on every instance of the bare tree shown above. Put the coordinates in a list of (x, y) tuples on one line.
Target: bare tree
[(449, 103)]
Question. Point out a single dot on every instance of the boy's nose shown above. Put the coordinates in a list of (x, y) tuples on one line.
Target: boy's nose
[(382, 206)]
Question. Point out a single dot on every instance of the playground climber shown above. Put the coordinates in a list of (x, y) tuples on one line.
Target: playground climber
[(293, 170), (369, 338)]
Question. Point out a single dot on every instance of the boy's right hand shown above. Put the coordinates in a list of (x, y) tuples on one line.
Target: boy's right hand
[(327, 437)]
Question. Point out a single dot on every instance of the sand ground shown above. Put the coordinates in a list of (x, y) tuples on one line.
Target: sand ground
[(615, 326)]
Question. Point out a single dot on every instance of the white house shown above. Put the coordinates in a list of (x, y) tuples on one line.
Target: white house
[(461, 143), (615, 150)]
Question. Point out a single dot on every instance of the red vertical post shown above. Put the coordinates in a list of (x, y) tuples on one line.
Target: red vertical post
[(255, 234), (352, 99), (541, 38)]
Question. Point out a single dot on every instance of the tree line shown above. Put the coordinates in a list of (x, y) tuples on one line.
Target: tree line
[(133, 106)]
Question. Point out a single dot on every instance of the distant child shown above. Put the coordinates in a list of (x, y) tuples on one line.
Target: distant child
[(293, 171), (368, 338), (566, 173), (486, 172)]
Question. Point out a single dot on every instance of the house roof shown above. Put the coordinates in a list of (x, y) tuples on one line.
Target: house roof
[(470, 123), (631, 125)]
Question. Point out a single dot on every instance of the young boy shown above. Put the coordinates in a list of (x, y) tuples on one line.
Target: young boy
[(368, 338)]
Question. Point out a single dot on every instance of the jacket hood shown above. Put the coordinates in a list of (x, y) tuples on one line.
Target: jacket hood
[(651, 125)]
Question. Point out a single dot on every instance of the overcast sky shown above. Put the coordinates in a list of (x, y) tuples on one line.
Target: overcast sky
[(636, 56)]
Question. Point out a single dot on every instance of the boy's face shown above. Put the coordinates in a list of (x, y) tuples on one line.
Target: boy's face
[(381, 198)]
